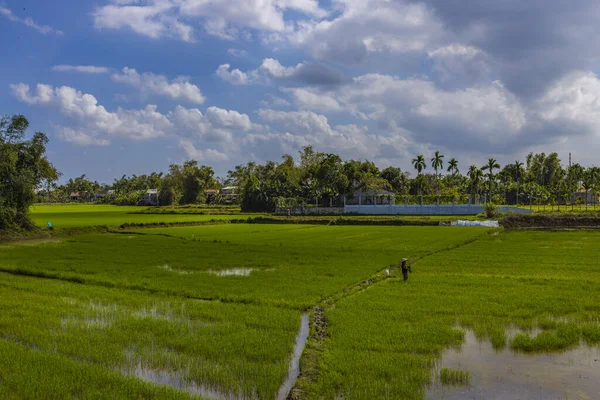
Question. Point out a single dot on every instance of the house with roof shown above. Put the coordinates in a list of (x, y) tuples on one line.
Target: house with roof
[(587, 196), (229, 194), (370, 198), (150, 197)]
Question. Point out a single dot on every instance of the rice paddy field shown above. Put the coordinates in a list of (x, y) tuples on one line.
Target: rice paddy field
[(85, 215), (218, 312)]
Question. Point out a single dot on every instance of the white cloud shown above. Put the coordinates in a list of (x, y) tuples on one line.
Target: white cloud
[(237, 53), (155, 20), (91, 124), (271, 69), (235, 77), (150, 83), (291, 130), (369, 27), (202, 155), (27, 21), (459, 65), (80, 138), (574, 99), (89, 69), (224, 18), (313, 99)]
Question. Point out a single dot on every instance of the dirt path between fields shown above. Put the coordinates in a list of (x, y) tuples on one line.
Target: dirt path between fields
[(319, 332)]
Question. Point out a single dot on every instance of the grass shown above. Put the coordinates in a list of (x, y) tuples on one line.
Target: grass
[(234, 348), (139, 293), (454, 377), (385, 341), (291, 266), (26, 373), (83, 215)]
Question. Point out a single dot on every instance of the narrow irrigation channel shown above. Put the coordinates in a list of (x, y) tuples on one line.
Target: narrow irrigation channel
[(294, 370), (163, 377)]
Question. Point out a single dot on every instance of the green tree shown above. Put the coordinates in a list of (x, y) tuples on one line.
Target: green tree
[(475, 175), (490, 167), (23, 168), (419, 164), (453, 167), (396, 179)]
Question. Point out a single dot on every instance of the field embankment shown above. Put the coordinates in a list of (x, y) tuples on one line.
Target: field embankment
[(551, 221)]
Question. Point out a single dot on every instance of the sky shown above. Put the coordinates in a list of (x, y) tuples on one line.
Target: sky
[(131, 86)]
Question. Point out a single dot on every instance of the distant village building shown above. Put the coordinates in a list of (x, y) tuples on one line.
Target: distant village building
[(588, 196), (151, 197), (229, 194), (75, 196), (370, 197)]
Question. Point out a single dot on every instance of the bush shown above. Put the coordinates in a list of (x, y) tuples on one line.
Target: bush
[(491, 211)]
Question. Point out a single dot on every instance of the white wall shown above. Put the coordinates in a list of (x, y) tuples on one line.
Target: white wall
[(429, 209)]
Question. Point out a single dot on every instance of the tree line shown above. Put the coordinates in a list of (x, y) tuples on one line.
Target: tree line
[(323, 178), (26, 176)]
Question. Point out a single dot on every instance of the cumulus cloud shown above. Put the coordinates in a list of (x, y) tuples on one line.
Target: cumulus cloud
[(367, 27), (88, 69), (92, 124), (27, 21), (150, 83), (531, 43), (235, 77), (156, 19), (271, 69), (291, 130), (202, 155), (573, 102), (225, 18)]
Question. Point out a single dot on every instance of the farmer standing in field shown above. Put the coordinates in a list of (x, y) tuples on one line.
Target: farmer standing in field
[(405, 269)]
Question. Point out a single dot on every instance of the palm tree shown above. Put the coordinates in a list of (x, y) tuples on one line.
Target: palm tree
[(437, 162), (419, 164), (490, 167), (518, 173), (453, 166), (474, 175)]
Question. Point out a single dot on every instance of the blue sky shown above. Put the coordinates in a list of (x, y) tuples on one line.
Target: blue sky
[(124, 86)]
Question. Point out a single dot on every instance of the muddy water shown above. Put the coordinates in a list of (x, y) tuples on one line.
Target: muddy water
[(294, 369), (232, 271), (574, 374), (163, 377)]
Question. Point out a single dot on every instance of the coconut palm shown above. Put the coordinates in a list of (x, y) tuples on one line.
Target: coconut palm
[(518, 174), (474, 175), (453, 167), (490, 167), (419, 164), (437, 162)]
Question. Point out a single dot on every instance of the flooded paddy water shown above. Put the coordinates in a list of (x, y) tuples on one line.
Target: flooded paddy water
[(178, 380), (506, 374)]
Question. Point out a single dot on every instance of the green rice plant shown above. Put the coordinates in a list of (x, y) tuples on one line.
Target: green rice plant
[(232, 348), (591, 333), (63, 216), (385, 341), (27, 373), (289, 265), (454, 377)]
